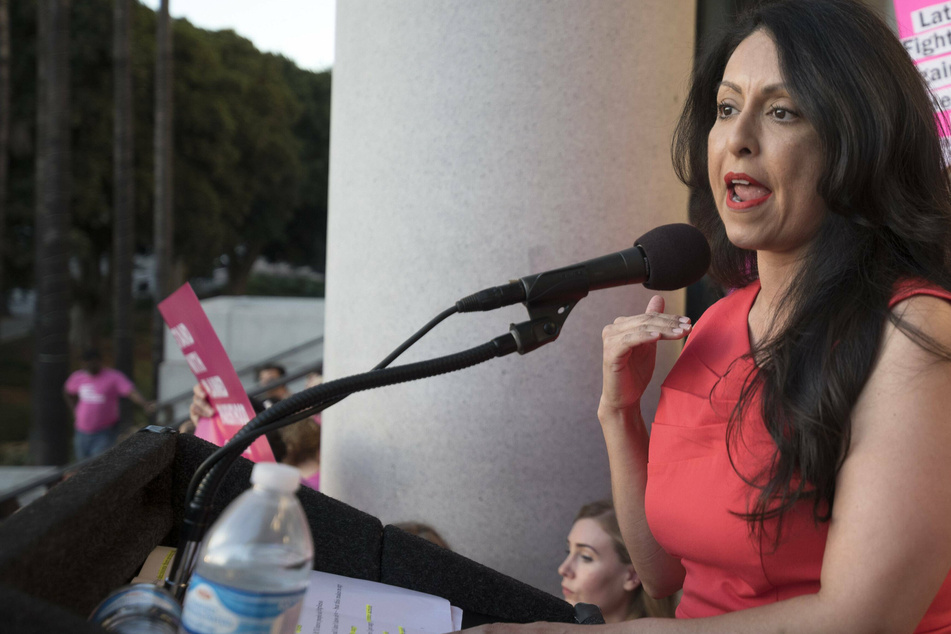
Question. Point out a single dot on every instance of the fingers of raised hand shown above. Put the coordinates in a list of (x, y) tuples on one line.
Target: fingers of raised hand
[(619, 343), (193, 413), (200, 407), (656, 304), (661, 325)]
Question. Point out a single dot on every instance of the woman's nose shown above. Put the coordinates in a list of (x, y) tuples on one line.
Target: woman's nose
[(742, 138), (565, 568)]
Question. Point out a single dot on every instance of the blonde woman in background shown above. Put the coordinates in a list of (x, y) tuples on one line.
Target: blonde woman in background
[(598, 569)]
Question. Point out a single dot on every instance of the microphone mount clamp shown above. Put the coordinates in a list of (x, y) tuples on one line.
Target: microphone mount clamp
[(550, 298)]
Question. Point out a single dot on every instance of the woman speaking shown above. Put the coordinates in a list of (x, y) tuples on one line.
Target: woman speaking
[(797, 477)]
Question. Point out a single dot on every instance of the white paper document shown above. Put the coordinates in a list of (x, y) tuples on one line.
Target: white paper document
[(341, 605), (156, 566)]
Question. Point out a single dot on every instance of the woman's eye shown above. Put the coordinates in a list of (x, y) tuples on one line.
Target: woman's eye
[(724, 110), (587, 559), (783, 114)]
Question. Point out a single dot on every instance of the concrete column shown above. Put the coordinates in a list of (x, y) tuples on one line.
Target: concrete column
[(473, 143)]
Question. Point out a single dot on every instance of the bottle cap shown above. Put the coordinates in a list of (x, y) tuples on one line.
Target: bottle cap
[(275, 476)]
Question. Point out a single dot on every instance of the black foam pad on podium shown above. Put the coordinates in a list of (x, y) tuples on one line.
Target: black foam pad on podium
[(24, 614), (485, 596), (65, 552), (90, 534)]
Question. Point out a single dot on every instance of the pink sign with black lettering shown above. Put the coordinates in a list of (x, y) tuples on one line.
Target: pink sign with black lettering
[(209, 362), (924, 27)]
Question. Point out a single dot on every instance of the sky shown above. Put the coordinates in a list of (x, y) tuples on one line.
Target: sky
[(301, 30)]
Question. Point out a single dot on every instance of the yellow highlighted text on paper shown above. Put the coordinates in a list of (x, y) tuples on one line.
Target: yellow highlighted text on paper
[(169, 556)]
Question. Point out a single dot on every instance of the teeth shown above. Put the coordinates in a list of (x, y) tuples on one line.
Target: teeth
[(737, 181)]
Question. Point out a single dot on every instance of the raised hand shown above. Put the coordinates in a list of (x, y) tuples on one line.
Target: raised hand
[(630, 351)]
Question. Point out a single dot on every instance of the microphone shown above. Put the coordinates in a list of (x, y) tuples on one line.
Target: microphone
[(664, 259)]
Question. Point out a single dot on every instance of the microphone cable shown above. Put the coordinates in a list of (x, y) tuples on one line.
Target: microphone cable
[(312, 408)]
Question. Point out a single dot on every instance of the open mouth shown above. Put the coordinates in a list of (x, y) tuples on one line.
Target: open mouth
[(744, 191)]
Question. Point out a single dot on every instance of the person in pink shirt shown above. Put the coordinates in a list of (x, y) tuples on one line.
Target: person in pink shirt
[(93, 394)]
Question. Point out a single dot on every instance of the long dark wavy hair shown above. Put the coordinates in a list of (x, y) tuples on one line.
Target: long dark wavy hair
[(887, 191)]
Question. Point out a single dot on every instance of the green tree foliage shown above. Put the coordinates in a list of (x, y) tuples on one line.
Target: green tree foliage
[(251, 137), (248, 154), (305, 242)]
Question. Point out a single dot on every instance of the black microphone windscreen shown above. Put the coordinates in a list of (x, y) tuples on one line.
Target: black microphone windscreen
[(678, 255)]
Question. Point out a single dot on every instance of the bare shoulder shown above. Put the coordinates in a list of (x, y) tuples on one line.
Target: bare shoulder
[(887, 540), (929, 315), (910, 378)]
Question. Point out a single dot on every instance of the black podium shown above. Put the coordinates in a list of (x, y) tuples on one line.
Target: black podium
[(62, 554)]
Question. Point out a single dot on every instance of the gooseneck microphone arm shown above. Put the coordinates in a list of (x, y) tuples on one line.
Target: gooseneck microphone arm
[(201, 493), (318, 406)]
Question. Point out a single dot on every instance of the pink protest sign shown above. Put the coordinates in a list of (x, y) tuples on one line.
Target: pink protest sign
[(210, 364), (924, 27)]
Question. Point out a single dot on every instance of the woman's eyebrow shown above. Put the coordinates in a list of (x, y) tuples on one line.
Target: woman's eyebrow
[(589, 547), (730, 85), (769, 89)]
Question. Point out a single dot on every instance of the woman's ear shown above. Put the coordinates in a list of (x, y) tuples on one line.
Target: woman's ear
[(631, 580)]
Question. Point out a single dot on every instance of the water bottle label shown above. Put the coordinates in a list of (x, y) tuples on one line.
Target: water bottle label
[(213, 608)]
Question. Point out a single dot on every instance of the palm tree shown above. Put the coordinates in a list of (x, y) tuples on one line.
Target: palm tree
[(4, 133), (163, 180), (50, 434), (123, 231)]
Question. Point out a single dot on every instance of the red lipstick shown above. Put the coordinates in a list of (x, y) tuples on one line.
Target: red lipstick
[(732, 179)]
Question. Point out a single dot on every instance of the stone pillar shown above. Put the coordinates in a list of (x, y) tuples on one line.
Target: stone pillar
[(473, 143)]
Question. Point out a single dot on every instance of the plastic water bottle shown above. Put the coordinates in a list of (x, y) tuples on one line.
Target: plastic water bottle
[(140, 608), (255, 563)]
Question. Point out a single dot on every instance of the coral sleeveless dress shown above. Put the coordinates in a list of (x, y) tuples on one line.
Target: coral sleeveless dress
[(692, 487)]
